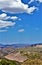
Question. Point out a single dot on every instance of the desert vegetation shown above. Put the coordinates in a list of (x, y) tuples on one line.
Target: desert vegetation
[(8, 62), (33, 58), (21, 56)]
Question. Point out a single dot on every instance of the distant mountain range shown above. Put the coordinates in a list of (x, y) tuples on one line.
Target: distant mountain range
[(14, 45), (14, 48), (19, 45)]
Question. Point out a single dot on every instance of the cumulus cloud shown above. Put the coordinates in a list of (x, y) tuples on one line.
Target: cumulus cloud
[(4, 16), (21, 30), (31, 9), (3, 23), (6, 23), (14, 17), (15, 6)]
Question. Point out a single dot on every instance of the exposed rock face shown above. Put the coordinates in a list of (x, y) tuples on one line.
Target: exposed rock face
[(17, 57)]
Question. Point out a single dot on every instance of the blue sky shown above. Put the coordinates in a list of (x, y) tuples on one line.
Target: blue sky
[(20, 21)]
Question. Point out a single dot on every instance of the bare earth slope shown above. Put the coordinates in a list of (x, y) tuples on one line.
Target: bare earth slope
[(17, 57)]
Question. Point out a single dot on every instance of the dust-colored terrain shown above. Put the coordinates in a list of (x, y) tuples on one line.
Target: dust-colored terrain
[(30, 55), (17, 57)]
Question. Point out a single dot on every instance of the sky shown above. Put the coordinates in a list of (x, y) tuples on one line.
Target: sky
[(20, 21)]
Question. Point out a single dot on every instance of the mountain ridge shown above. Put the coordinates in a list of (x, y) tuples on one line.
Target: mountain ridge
[(18, 45)]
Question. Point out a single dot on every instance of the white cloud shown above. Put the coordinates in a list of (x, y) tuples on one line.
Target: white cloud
[(30, 1), (3, 15), (6, 23), (31, 9), (19, 19), (34, 1), (3, 30), (40, 1), (15, 6), (14, 17), (21, 30), (8, 17)]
